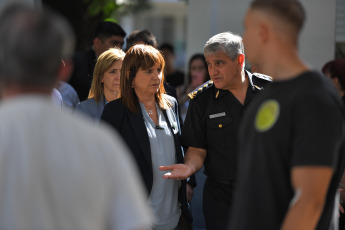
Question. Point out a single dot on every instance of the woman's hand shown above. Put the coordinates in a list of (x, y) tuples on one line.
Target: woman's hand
[(177, 171)]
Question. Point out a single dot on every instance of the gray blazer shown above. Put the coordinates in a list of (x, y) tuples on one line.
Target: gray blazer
[(91, 108)]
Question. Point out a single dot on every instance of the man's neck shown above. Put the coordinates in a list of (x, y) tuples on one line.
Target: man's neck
[(240, 91), (14, 91), (284, 67)]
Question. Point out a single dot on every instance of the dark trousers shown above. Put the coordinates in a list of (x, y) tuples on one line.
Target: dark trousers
[(184, 224), (217, 200), (342, 221)]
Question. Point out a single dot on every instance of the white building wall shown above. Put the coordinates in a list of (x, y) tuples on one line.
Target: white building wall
[(206, 18), (166, 20)]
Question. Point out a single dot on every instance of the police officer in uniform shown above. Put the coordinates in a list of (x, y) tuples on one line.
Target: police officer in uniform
[(211, 125)]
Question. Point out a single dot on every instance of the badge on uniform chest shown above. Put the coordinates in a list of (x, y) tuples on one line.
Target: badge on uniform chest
[(222, 114)]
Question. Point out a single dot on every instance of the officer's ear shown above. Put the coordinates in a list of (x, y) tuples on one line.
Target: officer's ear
[(240, 60)]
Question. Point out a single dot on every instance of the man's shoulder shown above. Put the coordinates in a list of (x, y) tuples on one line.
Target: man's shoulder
[(202, 91), (260, 80), (84, 56), (262, 77)]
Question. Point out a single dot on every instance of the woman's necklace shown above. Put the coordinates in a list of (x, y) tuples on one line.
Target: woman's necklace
[(149, 112)]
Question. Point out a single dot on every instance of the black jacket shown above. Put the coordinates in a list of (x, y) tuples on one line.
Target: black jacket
[(133, 130)]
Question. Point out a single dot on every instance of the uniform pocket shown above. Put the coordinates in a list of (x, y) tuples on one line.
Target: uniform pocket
[(219, 123), (216, 132)]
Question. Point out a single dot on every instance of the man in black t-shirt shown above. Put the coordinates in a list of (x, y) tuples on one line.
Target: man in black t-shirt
[(291, 138), (210, 129)]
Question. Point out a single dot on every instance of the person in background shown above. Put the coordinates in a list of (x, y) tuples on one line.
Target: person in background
[(197, 75), (69, 96), (105, 83), (173, 76), (335, 71), (210, 129), (108, 35), (148, 121), (141, 36), (291, 139), (57, 98), (58, 170)]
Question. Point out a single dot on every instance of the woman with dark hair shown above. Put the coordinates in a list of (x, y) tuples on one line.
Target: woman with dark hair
[(148, 121), (335, 70), (197, 75)]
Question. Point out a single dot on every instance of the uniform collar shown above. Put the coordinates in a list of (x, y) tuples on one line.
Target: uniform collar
[(218, 93), (254, 86)]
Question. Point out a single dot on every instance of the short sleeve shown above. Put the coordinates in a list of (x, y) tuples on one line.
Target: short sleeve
[(194, 128), (317, 131)]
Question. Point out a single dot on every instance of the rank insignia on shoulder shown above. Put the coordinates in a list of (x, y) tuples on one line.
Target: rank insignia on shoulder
[(200, 89), (259, 88), (263, 76)]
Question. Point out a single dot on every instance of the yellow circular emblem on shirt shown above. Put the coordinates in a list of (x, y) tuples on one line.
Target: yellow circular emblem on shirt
[(267, 115)]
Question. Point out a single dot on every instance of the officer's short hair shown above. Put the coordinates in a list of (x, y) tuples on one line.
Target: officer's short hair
[(291, 11), (32, 44), (227, 42)]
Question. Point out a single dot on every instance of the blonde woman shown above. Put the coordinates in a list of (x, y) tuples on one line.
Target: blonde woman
[(105, 85)]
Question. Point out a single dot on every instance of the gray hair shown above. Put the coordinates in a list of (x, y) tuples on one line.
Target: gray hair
[(32, 44), (231, 44)]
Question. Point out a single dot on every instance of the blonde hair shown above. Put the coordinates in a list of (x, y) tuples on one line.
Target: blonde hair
[(104, 62), (144, 57)]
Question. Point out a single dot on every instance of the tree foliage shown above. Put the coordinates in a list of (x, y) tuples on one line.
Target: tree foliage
[(85, 15)]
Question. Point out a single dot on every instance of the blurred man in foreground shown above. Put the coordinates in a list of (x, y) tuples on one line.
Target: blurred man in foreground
[(57, 171), (291, 137)]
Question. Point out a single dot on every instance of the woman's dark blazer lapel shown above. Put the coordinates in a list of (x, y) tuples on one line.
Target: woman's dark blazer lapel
[(139, 129)]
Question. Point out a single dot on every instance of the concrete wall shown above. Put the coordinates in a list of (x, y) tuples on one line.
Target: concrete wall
[(167, 21), (206, 18)]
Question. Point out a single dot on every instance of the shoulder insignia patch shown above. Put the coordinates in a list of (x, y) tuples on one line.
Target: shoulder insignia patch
[(263, 76), (259, 88), (200, 89)]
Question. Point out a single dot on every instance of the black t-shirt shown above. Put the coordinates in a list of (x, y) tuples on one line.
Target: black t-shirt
[(212, 124), (298, 122)]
